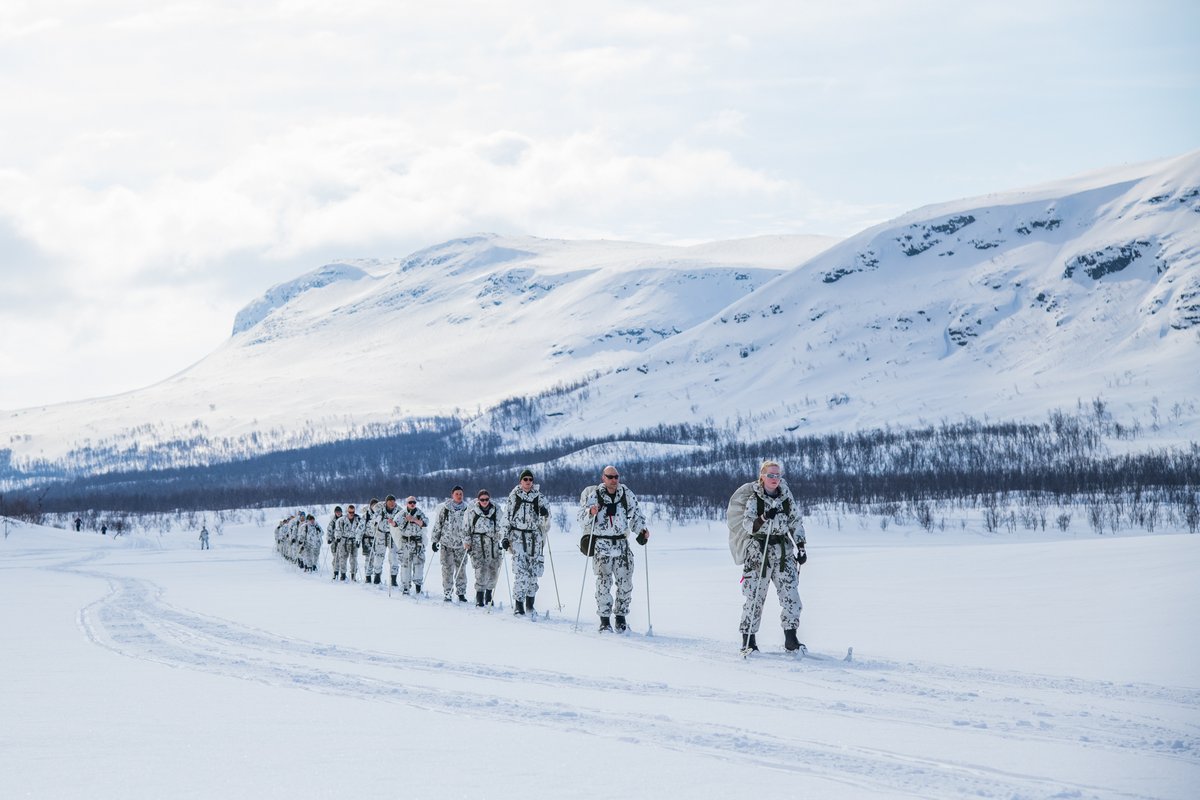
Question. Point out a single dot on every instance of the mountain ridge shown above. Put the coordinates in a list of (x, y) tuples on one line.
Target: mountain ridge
[(1007, 306)]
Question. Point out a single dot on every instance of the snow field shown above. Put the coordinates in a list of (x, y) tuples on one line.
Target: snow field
[(1004, 666)]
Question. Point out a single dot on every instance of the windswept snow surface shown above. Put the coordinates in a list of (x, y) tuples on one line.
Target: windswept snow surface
[(1007, 667)]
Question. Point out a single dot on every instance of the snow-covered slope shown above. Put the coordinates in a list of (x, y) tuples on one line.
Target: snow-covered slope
[(1006, 306), (448, 330)]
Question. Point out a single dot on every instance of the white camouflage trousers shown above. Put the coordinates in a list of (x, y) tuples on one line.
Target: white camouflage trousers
[(529, 563), (485, 559), (756, 579), (347, 553), (412, 560), (379, 549), (454, 570), (613, 564)]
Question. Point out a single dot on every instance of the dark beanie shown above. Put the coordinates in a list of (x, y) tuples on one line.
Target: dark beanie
[(526, 473)]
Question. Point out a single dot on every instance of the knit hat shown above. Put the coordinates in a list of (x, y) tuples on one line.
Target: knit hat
[(526, 473)]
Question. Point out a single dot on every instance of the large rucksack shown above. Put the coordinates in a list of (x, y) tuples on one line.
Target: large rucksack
[(735, 513)]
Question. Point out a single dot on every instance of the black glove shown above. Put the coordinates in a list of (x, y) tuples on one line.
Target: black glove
[(435, 547), (801, 556), (643, 537), (771, 513), (505, 543), (543, 511)]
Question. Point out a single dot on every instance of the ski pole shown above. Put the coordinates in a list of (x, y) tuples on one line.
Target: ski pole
[(650, 628), (461, 564), (428, 566), (552, 572), (582, 583), (508, 581)]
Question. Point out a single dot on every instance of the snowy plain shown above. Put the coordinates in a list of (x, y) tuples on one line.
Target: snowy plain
[(1018, 665)]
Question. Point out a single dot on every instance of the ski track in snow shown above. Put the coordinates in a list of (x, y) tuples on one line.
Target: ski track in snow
[(134, 621)]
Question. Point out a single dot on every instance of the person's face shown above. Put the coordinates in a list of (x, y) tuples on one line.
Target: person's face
[(611, 478), (457, 495), (391, 505), (526, 483), (771, 477), (483, 501), (350, 512)]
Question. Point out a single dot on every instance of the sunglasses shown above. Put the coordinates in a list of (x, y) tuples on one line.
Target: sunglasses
[(612, 477), (773, 475)]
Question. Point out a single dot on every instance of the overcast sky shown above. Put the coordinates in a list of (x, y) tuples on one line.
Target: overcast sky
[(163, 163)]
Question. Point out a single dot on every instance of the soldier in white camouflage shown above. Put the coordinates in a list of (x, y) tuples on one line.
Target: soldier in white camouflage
[(608, 515), (410, 536), (368, 538), (526, 522), (310, 543), (349, 534), (447, 540), (331, 533), (481, 539), (381, 529), (771, 526)]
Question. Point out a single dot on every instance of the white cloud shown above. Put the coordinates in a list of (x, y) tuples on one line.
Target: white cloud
[(197, 149)]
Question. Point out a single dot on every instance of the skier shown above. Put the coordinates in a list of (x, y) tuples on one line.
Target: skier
[(526, 523), (447, 536), (351, 531), (608, 513), (368, 539), (384, 517), (331, 538), (411, 540), (766, 536), (78, 524), (481, 528), (311, 543), (204, 538)]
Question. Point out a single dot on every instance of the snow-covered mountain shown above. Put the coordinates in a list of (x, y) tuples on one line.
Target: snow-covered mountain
[(1004, 306), (449, 330)]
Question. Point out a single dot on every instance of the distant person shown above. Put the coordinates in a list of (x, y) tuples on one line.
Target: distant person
[(310, 544), (608, 514), (411, 542), (348, 535), (766, 536), (368, 538), (447, 536), (204, 538), (104, 530), (526, 522), (331, 533), (481, 539), (384, 522), (78, 525)]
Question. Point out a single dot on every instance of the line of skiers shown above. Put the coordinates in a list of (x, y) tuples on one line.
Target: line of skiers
[(766, 537)]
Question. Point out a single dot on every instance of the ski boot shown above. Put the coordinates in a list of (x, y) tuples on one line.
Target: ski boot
[(519, 608), (620, 623), (748, 644), (605, 625), (478, 598), (790, 642)]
